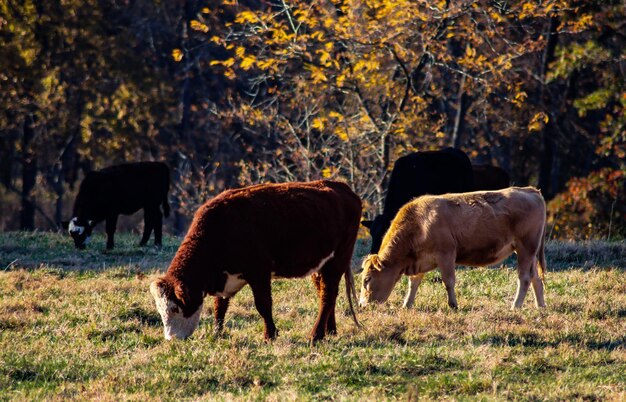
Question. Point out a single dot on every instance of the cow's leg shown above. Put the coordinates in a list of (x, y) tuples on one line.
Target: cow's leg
[(148, 224), (262, 291), (537, 286), (331, 324), (524, 274), (414, 282), (111, 224), (158, 227), (220, 305), (448, 275), (329, 288)]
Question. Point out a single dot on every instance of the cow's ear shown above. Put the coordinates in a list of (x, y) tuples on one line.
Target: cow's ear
[(65, 225), (367, 224), (372, 262), (189, 298)]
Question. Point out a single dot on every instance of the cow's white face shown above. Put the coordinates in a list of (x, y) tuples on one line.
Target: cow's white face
[(74, 228), (175, 324), (80, 232)]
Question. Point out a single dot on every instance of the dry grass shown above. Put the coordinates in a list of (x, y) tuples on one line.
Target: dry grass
[(80, 332)]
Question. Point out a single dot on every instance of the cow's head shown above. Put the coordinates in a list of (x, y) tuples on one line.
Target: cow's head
[(378, 227), (378, 282), (80, 230), (179, 307)]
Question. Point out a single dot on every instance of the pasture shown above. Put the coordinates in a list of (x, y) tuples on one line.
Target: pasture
[(82, 325)]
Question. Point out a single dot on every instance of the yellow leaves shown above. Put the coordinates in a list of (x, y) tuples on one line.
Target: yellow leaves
[(280, 36), (306, 17), (538, 121), (519, 98), (327, 172), (246, 17), (268, 64), (366, 65), (248, 62), (317, 75), (229, 73), (585, 21), (528, 10), (336, 115), (496, 17), (340, 80), (177, 55), (226, 63), (341, 133), (206, 10), (326, 59), (318, 123), (470, 52), (199, 26), (240, 52), (319, 35)]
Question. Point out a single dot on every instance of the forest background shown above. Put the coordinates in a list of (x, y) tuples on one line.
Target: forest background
[(231, 93)]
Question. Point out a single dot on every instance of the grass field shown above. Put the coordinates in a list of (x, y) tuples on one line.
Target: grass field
[(82, 325)]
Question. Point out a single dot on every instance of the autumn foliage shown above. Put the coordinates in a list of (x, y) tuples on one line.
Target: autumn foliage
[(231, 93)]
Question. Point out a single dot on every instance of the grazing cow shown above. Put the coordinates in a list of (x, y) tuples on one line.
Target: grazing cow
[(254, 234), (121, 189), (475, 229), (420, 173), (487, 177)]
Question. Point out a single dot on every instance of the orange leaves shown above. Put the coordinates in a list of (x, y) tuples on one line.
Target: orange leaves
[(177, 55)]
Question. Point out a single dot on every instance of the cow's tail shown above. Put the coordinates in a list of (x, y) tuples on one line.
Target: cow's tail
[(350, 293), (541, 255)]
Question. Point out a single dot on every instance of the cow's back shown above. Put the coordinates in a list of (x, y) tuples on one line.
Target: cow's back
[(430, 172), (479, 224), (128, 187), (487, 177), (290, 227)]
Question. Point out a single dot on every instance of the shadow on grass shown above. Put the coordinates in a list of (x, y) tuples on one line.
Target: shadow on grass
[(536, 341), (149, 318)]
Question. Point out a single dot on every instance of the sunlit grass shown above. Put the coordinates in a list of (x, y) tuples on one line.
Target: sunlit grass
[(81, 332)]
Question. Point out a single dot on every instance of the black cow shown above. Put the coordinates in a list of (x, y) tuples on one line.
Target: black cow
[(121, 189), (487, 177), (431, 172)]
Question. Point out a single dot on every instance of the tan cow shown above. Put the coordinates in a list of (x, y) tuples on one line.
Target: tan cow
[(475, 229)]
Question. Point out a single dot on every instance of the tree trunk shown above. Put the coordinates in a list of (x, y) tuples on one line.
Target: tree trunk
[(459, 119), (549, 159), (29, 176)]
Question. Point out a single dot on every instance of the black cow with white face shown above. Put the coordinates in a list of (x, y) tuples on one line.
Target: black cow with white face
[(419, 173), (121, 189)]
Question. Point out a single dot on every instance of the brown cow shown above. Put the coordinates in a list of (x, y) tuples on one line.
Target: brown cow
[(475, 229), (254, 234)]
